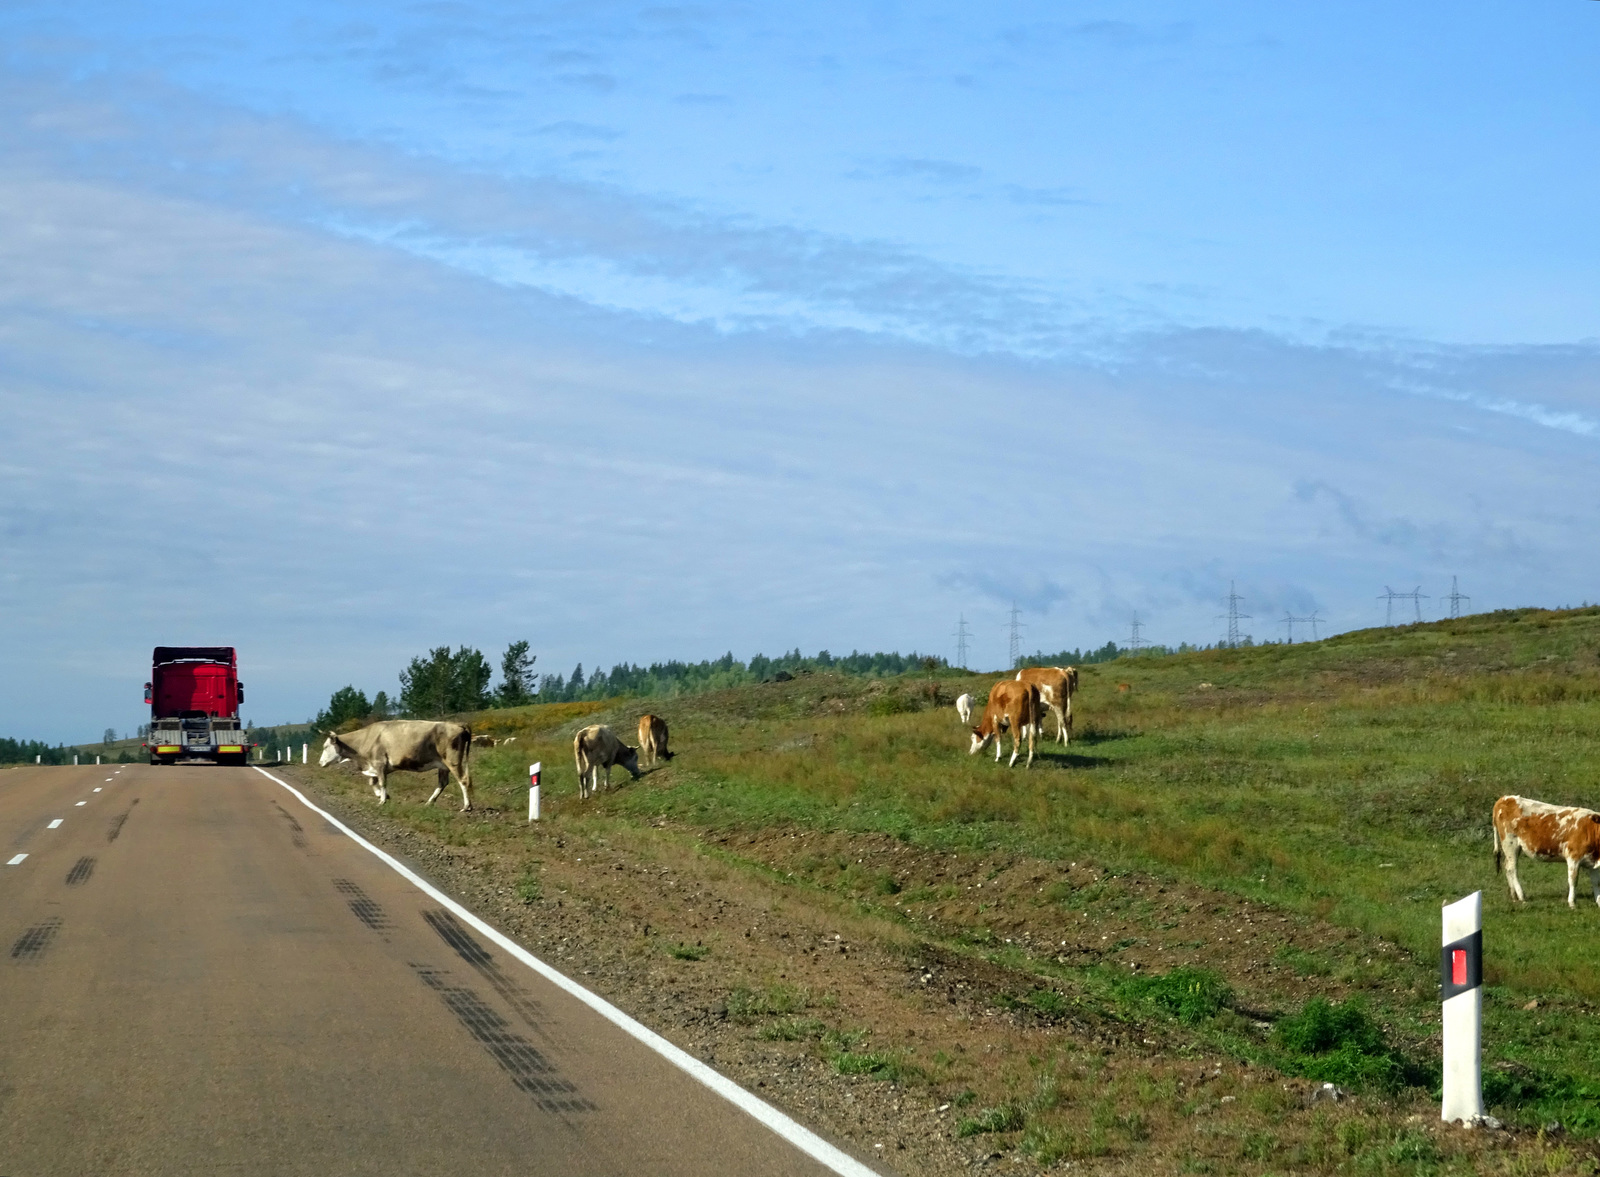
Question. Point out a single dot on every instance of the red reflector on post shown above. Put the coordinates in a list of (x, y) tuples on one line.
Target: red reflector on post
[(1458, 967)]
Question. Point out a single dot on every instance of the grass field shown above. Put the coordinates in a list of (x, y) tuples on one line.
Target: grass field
[(1345, 783)]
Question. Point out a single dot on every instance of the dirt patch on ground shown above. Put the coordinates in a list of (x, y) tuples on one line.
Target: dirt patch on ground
[(880, 992)]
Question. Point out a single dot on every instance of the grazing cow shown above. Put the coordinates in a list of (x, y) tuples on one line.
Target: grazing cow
[(1554, 833), (964, 708), (509, 740), (484, 741), (1056, 686), (595, 748), (653, 737), (406, 745), (1014, 705)]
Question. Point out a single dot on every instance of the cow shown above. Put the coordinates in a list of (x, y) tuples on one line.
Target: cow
[(1553, 833), (1013, 705), (595, 748), (653, 737), (509, 740), (1056, 686), (484, 741), (964, 708), (406, 745)]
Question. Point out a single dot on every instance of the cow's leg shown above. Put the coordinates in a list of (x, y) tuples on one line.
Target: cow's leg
[(381, 786), (1572, 883), (444, 779), (1061, 725), (1031, 736), (1594, 881), (464, 779), (1510, 846)]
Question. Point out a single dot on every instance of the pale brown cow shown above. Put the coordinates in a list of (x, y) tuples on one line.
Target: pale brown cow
[(597, 748), (1014, 705), (406, 745), (1056, 687), (1554, 833), (653, 737)]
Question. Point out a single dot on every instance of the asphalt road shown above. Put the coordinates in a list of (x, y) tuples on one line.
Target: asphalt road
[(203, 976)]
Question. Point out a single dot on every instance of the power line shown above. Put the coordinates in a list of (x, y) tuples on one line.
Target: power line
[(1290, 621), (1016, 636), (1455, 598), (1389, 597), (961, 635), (1234, 616)]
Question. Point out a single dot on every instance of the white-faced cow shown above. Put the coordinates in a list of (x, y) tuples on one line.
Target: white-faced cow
[(484, 741), (406, 745), (653, 738), (1554, 833), (1056, 686), (1013, 706), (596, 748), (964, 708)]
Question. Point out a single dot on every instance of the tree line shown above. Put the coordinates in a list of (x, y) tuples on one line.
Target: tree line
[(449, 682)]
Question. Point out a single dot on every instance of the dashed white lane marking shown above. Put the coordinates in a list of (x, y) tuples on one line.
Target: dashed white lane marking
[(108, 780), (97, 788), (83, 803), (55, 823), (795, 1133), (16, 860)]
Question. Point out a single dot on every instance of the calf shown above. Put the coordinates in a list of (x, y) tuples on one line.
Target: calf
[(1552, 832), (653, 737), (964, 708), (597, 748), (406, 745), (1013, 705), (1056, 685)]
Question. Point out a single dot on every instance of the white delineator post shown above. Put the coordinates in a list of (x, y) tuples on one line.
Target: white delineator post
[(533, 790), (1461, 990), (305, 750)]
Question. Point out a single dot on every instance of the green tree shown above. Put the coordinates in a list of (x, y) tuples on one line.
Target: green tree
[(516, 673), (444, 683), (382, 707), (110, 737), (346, 704)]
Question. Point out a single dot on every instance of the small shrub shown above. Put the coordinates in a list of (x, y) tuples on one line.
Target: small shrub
[(1048, 1002), (1341, 1044), (793, 1030), (887, 705), (876, 1064), (1005, 1118), (687, 951), (529, 888), (1047, 1145), (1190, 995)]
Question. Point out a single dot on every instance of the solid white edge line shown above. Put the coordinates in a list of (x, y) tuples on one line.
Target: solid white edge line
[(795, 1133), (16, 860)]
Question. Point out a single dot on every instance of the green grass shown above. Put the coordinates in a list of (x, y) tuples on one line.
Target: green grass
[(1348, 780)]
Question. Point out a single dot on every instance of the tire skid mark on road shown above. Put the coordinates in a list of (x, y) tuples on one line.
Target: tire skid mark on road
[(116, 822), (466, 946), (366, 909), (32, 943), (297, 833), (80, 872), (527, 1065)]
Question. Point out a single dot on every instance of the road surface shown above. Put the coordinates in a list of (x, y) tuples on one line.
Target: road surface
[(202, 975)]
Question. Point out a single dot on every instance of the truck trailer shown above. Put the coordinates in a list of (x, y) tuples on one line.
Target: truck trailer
[(194, 694)]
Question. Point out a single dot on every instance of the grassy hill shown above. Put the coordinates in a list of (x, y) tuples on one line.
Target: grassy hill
[(1336, 792)]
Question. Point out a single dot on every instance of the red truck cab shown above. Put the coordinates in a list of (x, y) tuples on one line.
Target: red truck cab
[(194, 694)]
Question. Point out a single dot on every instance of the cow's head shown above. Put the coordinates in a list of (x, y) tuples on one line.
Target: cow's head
[(629, 759), (979, 739), (333, 750)]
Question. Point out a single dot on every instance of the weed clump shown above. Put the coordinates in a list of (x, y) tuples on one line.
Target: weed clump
[(1340, 1043), (1188, 994)]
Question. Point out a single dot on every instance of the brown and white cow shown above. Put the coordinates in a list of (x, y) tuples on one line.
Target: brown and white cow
[(597, 748), (1012, 705), (653, 737), (406, 745), (484, 741), (1056, 686), (1554, 833)]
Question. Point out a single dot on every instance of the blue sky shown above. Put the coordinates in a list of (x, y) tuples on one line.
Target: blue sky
[(341, 331)]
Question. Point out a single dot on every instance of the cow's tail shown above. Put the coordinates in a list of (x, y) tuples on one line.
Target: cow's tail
[(1499, 850)]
